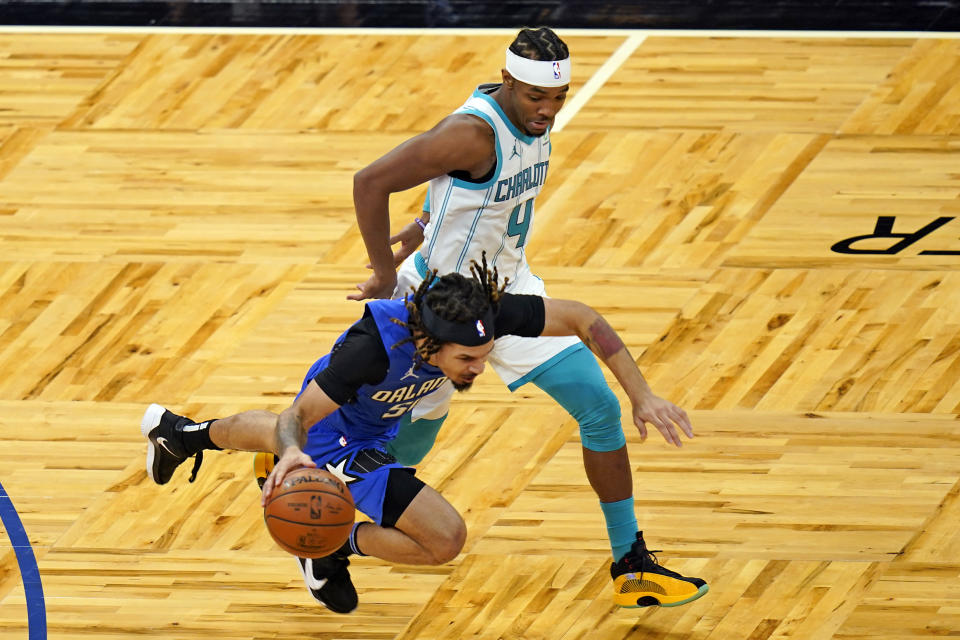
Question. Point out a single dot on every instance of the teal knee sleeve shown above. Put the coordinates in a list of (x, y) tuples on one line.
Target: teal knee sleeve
[(577, 383), (414, 439)]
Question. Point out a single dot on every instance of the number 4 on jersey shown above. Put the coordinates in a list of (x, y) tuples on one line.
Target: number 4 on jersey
[(517, 227)]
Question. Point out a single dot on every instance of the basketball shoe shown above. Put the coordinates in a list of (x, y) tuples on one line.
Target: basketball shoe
[(640, 581), (262, 466), (165, 449), (327, 579)]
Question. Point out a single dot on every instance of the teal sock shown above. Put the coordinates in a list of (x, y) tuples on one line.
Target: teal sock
[(621, 525)]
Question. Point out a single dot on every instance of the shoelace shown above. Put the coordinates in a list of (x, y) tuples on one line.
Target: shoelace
[(647, 553), (197, 461)]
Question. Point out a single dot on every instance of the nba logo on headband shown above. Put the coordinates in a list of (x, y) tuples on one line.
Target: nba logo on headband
[(539, 73), (480, 330)]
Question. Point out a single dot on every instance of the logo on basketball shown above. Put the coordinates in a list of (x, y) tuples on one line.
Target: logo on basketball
[(311, 514)]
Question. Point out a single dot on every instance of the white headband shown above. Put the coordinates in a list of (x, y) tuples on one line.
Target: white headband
[(540, 73)]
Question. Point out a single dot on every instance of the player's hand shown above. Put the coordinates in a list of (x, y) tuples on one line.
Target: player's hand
[(376, 286), (664, 415), (291, 459), (410, 237)]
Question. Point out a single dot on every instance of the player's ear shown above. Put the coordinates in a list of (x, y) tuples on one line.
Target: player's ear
[(508, 79)]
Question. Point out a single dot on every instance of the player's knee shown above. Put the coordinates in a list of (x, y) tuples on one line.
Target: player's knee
[(600, 428), (449, 543)]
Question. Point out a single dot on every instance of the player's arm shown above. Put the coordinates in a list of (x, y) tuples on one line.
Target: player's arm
[(568, 317), (358, 359), (310, 407), (458, 143)]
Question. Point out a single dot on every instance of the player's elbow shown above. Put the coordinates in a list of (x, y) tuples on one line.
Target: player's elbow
[(567, 317), (370, 188), (361, 182)]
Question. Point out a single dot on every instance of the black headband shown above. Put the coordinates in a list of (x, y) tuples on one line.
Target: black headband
[(470, 334)]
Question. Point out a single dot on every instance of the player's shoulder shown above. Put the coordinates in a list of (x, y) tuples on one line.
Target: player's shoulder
[(468, 138), (465, 125)]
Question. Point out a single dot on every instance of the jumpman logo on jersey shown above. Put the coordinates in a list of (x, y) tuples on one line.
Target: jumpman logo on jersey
[(410, 374), (516, 150)]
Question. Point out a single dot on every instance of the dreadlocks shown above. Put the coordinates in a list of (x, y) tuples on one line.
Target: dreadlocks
[(539, 44), (453, 297)]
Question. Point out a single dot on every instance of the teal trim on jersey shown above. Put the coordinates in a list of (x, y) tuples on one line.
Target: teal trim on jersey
[(426, 202), (439, 220), (503, 243), (421, 264), (477, 186), (555, 360), (473, 228), (512, 127)]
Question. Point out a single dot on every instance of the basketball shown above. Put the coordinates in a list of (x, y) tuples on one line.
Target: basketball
[(311, 514)]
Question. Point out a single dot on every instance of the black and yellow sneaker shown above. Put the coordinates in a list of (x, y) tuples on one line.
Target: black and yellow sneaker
[(165, 448), (262, 466), (640, 581)]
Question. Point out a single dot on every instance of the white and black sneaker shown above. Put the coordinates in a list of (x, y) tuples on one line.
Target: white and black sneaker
[(328, 581), (165, 449)]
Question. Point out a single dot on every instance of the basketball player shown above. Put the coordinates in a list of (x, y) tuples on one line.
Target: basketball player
[(351, 403), (485, 165)]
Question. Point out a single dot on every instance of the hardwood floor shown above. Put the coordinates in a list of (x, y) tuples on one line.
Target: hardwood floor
[(176, 226)]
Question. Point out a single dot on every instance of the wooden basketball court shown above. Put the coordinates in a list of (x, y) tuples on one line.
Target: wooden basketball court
[(176, 226)]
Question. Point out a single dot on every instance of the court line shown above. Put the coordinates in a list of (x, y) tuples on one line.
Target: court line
[(597, 80), (29, 571), (459, 31)]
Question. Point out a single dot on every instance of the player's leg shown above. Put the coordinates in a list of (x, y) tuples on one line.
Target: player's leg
[(429, 530), (253, 430), (412, 523), (172, 438), (576, 382)]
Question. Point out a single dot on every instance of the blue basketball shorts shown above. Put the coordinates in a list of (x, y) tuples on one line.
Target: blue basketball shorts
[(381, 487)]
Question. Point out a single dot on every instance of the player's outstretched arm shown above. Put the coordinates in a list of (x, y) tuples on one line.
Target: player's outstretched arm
[(293, 423), (568, 317), (457, 143)]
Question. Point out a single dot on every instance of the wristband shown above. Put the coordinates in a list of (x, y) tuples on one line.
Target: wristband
[(421, 224)]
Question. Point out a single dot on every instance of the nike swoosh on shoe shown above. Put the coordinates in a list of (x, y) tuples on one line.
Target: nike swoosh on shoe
[(308, 577)]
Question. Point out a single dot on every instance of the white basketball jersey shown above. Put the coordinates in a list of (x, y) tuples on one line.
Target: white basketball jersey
[(494, 215)]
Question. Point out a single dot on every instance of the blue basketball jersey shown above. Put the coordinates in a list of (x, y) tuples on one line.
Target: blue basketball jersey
[(377, 410)]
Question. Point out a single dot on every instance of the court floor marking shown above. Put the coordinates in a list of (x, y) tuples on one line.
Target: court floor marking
[(29, 571), (460, 31), (597, 81)]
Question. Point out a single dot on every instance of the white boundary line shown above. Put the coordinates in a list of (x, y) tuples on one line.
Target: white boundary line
[(596, 81), (369, 31)]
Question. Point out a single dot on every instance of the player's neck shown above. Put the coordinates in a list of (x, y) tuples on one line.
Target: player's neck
[(502, 98)]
